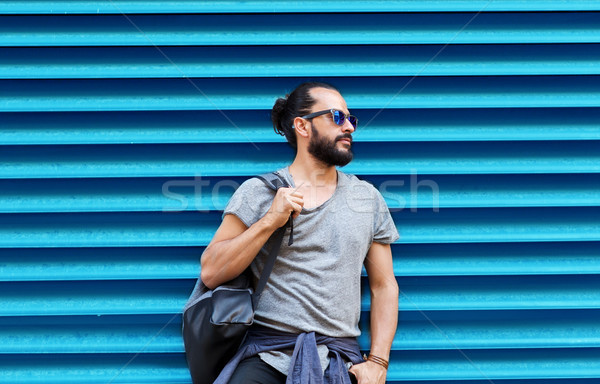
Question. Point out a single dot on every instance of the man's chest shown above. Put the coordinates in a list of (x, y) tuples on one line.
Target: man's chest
[(315, 196)]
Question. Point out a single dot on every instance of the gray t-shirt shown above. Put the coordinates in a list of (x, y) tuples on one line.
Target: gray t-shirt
[(315, 283)]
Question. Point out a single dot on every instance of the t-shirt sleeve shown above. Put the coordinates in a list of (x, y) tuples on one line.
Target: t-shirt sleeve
[(250, 201), (384, 230)]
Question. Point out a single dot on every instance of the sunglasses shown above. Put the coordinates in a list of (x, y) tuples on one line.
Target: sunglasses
[(338, 116)]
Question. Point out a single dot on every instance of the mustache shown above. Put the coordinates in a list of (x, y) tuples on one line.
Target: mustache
[(344, 136)]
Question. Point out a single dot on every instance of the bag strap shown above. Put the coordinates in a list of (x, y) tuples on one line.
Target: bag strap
[(273, 181)]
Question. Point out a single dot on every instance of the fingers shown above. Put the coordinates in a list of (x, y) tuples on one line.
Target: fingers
[(353, 376), (292, 192), (294, 198), (287, 201), (368, 373), (296, 201), (351, 370)]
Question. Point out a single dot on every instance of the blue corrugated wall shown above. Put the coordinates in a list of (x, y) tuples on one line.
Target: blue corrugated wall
[(126, 125)]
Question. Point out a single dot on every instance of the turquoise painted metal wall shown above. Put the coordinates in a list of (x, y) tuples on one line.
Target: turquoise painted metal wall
[(126, 125)]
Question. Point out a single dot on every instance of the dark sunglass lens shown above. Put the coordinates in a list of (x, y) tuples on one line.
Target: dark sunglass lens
[(353, 120), (338, 117)]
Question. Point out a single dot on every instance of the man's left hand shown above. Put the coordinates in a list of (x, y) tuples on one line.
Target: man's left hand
[(369, 373)]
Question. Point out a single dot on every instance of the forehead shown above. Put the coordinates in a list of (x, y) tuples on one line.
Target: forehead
[(328, 98)]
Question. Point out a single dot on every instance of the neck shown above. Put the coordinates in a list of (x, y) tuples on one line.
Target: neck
[(307, 169)]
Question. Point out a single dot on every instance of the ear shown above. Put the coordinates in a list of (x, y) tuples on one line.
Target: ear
[(301, 126)]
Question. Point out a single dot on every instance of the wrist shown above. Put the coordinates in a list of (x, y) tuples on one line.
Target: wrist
[(380, 361)]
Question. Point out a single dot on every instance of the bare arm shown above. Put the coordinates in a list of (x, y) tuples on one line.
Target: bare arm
[(234, 245), (384, 312)]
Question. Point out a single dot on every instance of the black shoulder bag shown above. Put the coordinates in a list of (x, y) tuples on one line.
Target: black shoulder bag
[(215, 321)]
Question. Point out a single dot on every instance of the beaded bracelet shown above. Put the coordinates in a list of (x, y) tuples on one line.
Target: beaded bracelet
[(377, 360)]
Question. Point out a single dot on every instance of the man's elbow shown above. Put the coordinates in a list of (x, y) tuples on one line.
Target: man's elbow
[(391, 287), (207, 273), (388, 287), (208, 278), (395, 289)]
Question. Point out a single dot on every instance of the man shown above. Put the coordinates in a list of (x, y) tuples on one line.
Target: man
[(313, 293)]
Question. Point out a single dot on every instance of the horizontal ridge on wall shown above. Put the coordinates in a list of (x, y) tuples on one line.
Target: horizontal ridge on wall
[(226, 94), (268, 6), (93, 368), (471, 225), (243, 126), (481, 293), (161, 263), (72, 264), (170, 368), (257, 93), (444, 259), (417, 293), (203, 193), (188, 160), (91, 334), (421, 331), (464, 330), (506, 364), (318, 29), (256, 61)]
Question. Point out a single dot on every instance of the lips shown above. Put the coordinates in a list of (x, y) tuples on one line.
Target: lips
[(346, 140)]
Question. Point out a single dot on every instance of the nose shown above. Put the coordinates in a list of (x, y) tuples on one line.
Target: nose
[(347, 127)]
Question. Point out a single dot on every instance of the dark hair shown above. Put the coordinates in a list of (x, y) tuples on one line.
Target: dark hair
[(297, 103)]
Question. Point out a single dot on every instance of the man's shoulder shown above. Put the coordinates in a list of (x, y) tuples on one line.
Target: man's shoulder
[(250, 200), (254, 182), (254, 185), (353, 181)]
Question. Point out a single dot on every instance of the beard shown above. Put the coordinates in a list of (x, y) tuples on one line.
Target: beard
[(326, 151)]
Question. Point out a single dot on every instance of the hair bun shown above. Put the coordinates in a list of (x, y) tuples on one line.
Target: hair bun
[(277, 115)]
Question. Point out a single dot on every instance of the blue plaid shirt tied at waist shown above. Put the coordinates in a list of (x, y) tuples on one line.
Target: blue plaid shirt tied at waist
[(305, 366)]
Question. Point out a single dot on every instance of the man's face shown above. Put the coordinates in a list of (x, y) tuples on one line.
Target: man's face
[(326, 150), (329, 142)]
